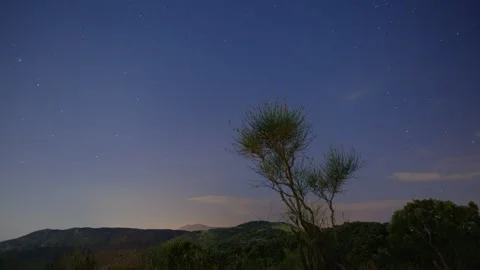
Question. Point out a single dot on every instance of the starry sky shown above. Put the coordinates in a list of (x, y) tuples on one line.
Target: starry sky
[(116, 113)]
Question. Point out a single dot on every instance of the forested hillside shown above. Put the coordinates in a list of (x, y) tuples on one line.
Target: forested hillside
[(425, 234)]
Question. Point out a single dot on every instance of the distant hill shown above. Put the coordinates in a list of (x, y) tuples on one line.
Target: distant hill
[(195, 227), (252, 245), (123, 248), (91, 238), (242, 234)]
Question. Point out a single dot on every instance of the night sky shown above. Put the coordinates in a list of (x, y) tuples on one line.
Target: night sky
[(116, 113)]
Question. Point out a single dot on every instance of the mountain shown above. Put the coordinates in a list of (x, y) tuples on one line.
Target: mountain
[(123, 248), (91, 238), (240, 235), (252, 245), (195, 227)]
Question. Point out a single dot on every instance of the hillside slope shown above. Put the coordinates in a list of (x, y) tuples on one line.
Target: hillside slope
[(236, 236), (91, 238), (120, 248)]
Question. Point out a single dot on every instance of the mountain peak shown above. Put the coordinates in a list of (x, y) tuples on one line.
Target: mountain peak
[(195, 227)]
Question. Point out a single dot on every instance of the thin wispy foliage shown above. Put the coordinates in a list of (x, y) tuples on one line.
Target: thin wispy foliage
[(329, 179), (275, 138)]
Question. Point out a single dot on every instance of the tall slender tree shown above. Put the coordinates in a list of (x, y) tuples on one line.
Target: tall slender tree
[(275, 138)]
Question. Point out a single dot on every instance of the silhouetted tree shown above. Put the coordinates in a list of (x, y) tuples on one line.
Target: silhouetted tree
[(275, 138)]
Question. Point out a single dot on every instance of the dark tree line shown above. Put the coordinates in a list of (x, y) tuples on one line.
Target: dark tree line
[(425, 234)]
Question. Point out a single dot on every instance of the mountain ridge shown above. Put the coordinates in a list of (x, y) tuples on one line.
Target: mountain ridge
[(196, 227), (128, 247), (90, 237), (105, 237)]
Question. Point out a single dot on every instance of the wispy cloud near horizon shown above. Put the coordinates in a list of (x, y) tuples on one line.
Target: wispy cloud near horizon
[(433, 176), (224, 199), (241, 205), (232, 200), (272, 210), (371, 205)]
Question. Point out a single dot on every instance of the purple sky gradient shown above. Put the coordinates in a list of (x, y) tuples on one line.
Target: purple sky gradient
[(115, 113)]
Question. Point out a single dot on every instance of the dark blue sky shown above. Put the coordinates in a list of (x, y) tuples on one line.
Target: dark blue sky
[(115, 113)]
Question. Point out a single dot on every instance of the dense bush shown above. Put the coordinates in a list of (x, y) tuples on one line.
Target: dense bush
[(426, 234), (433, 234)]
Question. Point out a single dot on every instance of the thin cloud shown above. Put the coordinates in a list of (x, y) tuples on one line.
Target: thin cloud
[(373, 205), (239, 205), (477, 134), (235, 210), (354, 96), (426, 177), (462, 176), (225, 200), (242, 202)]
